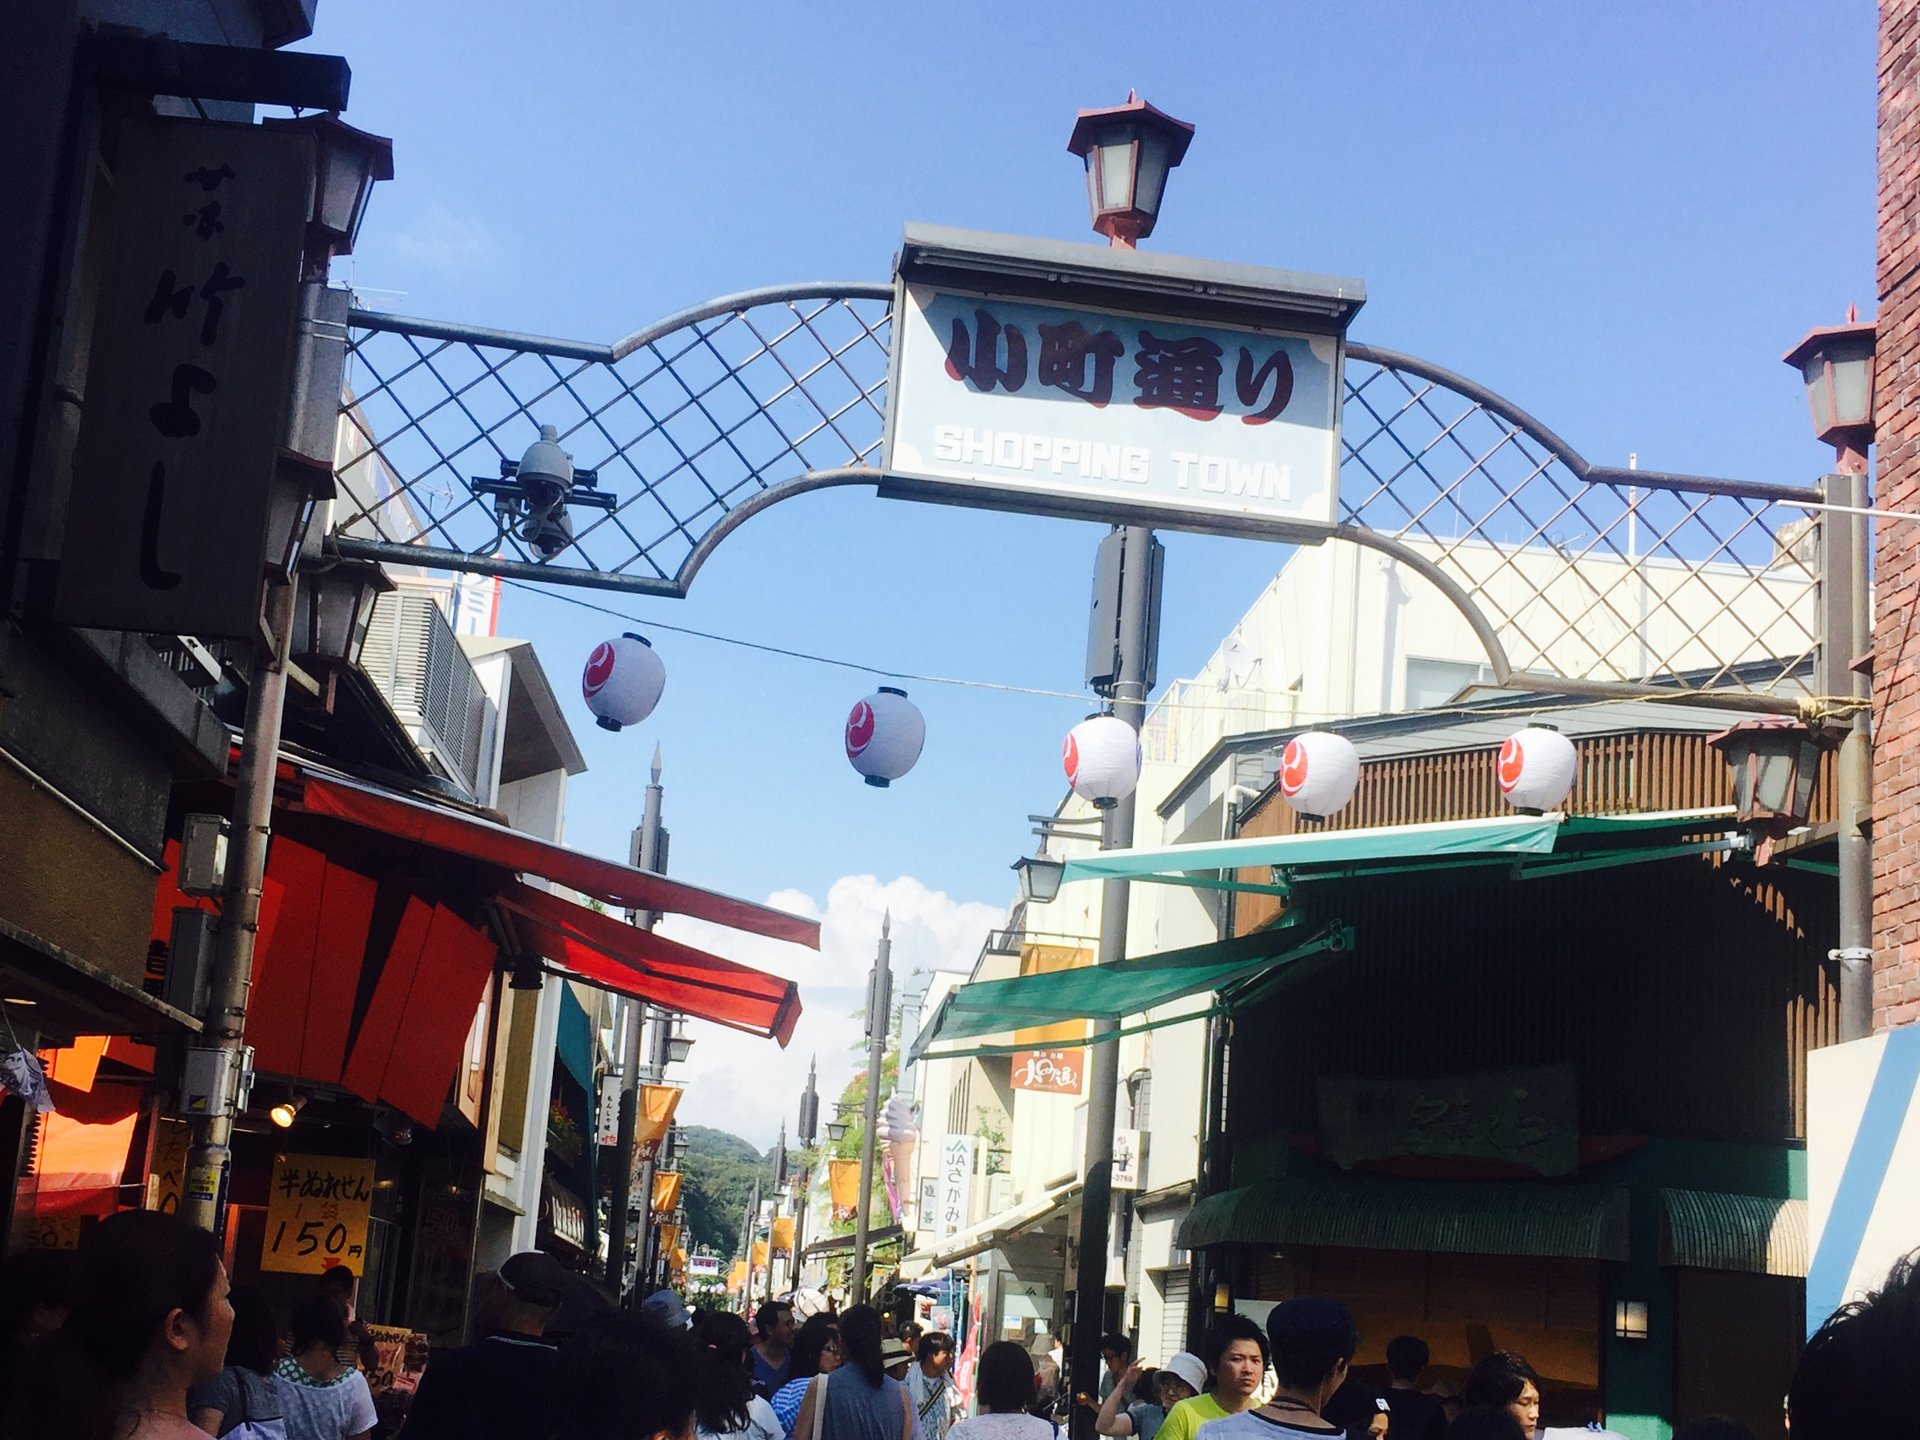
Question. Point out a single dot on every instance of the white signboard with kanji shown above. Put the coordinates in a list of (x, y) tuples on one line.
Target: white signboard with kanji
[(956, 1186), (1029, 403)]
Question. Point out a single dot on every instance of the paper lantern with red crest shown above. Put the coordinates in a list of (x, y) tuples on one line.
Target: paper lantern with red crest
[(1318, 773), (623, 681), (884, 734), (1537, 768), (1102, 760)]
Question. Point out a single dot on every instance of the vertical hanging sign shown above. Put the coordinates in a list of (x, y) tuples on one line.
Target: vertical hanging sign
[(193, 340), (956, 1185)]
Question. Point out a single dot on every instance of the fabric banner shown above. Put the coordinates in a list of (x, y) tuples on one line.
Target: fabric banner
[(666, 1191), (669, 1236), (783, 1234), (759, 1254), (737, 1276), (843, 1186), (653, 1114)]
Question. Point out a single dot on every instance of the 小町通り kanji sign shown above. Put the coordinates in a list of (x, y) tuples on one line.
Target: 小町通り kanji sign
[(317, 1209), (1099, 406)]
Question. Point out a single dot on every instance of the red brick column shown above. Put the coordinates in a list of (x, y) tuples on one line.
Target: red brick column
[(1896, 678)]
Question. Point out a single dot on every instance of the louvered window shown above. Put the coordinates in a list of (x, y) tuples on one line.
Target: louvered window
[(412, 657)]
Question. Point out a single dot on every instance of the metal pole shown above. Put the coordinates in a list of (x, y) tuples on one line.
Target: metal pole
[(879, 1000), (645, 853), (1853, 768), (210, 1158), (654, 1070), (1103, 1051), (809, 1127), (749, 1223)]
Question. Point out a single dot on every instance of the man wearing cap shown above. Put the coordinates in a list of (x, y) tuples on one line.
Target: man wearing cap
[(1310, 1345), (1181, 1378), (501, 1387)]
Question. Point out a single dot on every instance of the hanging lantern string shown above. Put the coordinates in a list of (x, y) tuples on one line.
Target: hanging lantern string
[(1841, 704)]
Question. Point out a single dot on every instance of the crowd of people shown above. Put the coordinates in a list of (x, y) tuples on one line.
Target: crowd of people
[(144, 1340)]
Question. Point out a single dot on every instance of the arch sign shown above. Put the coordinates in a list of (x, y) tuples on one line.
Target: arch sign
[(1070, 380), (1109, 385)]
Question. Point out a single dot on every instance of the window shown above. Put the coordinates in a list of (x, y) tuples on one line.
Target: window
[(1432, 683)]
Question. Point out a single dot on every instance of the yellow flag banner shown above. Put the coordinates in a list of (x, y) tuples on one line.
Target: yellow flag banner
[(652, 1114), (843, 1187), (759, 1254), (783, 1234), (666, 1191), (680, 1262), (737, 1276), (669, 1237)]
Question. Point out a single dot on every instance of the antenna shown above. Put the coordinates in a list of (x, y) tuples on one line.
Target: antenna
[(1239, 661)]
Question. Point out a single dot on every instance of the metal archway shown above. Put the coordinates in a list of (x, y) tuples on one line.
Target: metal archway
[(1572, 576)]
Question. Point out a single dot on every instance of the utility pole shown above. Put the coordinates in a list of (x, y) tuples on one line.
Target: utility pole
[(809, 1126), (1845, 565), (1135, 627), (748, 1224), (777, 1168), (879, 1000), (216, 1065), (645, 853)]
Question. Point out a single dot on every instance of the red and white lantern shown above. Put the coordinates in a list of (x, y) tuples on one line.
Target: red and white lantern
[(1537, 768), (884, 734), (1318, 773), (1102, 760), (623, 681)]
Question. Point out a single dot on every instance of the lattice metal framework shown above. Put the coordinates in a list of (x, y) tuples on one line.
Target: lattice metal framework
[(1604, 579)]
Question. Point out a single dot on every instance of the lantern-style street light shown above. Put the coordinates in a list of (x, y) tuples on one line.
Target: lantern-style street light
[(1128, 151), (333, 609), (1837, 363), (347, 163), (1040, 876), (679, 1043), (1775, 763)]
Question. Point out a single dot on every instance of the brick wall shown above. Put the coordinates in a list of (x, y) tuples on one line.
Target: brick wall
[(1896, 680)]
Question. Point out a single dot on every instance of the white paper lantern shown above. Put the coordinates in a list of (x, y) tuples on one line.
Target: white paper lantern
[(1537, 767), (1318, 772), (623, 681), (884, 734), (1102, 760)]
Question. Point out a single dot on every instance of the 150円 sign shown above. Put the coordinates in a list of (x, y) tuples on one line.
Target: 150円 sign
[(1072, 380)]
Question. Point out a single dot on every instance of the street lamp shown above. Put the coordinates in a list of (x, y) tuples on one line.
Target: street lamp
[(679, 1043), (333, 609), (346, 165), (1128, 150), (1774, 762), (1837, 363), (1040, 876)]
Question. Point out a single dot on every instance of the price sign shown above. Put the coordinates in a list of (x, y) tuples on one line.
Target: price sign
[(317, 1213)]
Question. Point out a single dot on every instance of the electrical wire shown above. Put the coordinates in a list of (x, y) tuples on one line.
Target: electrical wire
[(1827, 702)]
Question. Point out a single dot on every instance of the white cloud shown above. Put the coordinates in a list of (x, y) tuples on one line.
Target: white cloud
[(443, 240), (748, 1086)]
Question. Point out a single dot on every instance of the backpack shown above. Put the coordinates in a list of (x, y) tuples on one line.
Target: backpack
[(248, 1428)]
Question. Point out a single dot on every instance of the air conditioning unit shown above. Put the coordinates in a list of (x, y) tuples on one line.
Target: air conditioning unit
[(414, 660)]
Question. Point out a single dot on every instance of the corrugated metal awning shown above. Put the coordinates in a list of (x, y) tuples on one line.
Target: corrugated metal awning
[(1584, 1222), (989, 1232), (1757, 1234)]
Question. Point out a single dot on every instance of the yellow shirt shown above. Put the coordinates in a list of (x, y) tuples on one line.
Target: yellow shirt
[(1188, 1416)]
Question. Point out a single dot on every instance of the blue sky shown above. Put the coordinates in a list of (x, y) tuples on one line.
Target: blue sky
[(1619, 216)]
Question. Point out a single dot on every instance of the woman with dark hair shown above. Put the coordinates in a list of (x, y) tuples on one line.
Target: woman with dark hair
[(624, 1375), (724, 1402), (149, 1321), (1504, 1378), (243, 1394), (321, 1398), (1004, 1386), (816, 1351), (858, 1401)]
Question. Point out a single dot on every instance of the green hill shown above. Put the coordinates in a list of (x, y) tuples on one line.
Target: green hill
[(720, 1170)]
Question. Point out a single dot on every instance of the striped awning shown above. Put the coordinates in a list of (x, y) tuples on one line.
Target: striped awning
[(1584, 1222), (1757, 1234)]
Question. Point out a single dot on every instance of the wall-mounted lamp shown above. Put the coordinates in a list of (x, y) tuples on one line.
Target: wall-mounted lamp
[(287, 1111), (1630, 1319)]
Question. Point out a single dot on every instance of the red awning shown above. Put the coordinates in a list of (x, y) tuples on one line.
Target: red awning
[(623, 958), (605, 880)]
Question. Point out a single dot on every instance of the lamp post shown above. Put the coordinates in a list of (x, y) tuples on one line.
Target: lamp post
[(1837, 365), (1128, 150), (879, 1001), (808, 1129), (646, 854), (217, 1069), (777, 1172)]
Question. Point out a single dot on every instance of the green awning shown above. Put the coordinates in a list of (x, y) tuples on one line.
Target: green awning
[(1113, 992), (1756, 1234), (1584, 1222), (1535, 844)]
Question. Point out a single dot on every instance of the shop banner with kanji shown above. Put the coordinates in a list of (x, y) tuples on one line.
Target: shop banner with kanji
[(317, 1211)]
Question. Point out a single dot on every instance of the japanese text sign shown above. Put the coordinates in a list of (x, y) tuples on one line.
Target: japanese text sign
[(317, 1209), (1035, 406), (956, 1185), (1056, 1072), (186, 391)]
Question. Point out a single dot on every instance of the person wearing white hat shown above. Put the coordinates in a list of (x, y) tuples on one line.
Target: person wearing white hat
[(1181, 1378)]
